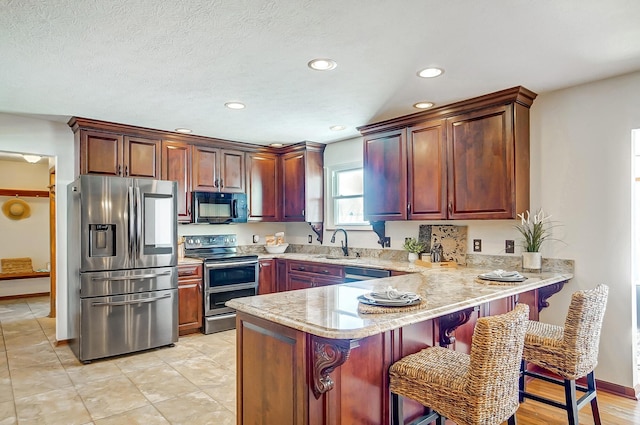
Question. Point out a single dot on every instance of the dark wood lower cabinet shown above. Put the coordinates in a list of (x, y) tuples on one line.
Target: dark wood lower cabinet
[(190, 302)]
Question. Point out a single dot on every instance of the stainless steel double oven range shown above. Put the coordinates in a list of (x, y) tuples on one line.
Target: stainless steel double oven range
[(227, 275)]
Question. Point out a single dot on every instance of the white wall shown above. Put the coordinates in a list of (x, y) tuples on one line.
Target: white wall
[(40, 137), (581, 173)]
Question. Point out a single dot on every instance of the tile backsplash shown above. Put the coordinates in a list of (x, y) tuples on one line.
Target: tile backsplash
[(452, 238)]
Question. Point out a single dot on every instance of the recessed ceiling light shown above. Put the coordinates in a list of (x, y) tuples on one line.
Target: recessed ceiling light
[(430, 72), (276, 145), (234, 105), (322, 64), (183, 130), (337, 127), (423, 105), (32, 158)]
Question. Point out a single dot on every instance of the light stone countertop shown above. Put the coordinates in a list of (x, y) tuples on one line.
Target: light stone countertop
[(332, 311)]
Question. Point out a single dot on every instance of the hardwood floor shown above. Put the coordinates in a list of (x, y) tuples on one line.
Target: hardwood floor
[(614, 410)]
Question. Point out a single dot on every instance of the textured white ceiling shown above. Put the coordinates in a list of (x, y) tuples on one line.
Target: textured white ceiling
[(167, 64)]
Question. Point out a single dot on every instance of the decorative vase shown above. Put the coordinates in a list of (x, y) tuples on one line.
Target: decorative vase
[(413, 257), (532, 260)]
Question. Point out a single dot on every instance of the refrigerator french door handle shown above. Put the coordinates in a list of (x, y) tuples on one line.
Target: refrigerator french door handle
[(131, 223), (138, 223), (134, 277), (119, 303)]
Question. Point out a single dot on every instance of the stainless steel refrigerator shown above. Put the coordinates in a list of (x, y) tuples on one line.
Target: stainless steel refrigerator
[(122, 257)]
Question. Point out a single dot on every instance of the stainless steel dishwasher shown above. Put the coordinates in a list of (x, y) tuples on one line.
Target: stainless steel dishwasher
[(356, 274)]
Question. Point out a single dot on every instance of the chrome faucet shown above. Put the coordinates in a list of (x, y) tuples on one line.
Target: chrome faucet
[(344, 245)]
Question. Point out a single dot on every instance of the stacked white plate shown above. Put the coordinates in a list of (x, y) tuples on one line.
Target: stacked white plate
[(503, 276), (390, 298)]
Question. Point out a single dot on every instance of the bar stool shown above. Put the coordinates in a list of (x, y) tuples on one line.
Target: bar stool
[(480, 388), (570, 351)]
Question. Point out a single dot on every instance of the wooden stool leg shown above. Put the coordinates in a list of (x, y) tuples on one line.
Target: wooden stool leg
[(397, 416), (570, 397), (521, 382), (591, 386)]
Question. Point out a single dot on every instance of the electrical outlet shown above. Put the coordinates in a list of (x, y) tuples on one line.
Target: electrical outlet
[(256, 238), (310, 239), (509, 246), (477, 245)]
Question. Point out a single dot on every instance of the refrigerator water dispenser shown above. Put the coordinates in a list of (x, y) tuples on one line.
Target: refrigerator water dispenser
[(102, 240)]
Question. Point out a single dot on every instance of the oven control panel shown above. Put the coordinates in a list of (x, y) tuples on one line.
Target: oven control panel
[(210, 241)]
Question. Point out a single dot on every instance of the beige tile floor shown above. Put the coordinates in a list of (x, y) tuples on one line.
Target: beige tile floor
[(191, 383)]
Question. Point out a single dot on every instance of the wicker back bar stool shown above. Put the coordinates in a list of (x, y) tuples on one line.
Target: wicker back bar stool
[(476, 389), (570, 351)]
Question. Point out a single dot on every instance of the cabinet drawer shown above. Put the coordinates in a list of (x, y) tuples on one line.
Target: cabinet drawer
[(189, 270), (317, 268)]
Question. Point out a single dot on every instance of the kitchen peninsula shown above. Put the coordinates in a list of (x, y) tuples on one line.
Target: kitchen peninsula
[(309, 356)]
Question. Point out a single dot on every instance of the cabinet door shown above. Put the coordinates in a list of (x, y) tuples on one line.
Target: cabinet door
[(266, 278), (176, 159), (299, 281), (385, 176), (141, 157), (189, 305), (293, 186), (262, 187), (481, 164), (205, 173), (101, 153), (281, 275), (232, 171), (427, 179)]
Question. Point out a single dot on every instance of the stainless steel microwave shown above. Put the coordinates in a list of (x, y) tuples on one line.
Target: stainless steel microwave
[(218, 207)]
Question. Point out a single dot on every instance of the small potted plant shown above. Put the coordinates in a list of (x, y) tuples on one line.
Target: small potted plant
[(535, 230), (414, 247)]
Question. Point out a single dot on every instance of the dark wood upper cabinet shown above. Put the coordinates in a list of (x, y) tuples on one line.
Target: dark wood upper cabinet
[(302, 182), (427, 159), (217, 170), (262, 186), (100, 153), (385, 176), (467, 160), (111, 154), (176, 163), (481, 154), (141, 157)]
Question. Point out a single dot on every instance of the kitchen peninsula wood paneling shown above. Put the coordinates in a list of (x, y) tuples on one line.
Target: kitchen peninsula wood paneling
[(467, 160)]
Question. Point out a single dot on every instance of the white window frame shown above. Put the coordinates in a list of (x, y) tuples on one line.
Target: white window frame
[(330, 199)]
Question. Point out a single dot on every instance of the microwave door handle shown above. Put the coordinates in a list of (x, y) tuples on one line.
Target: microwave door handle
[(131, 222), (234, 208), (138, 223)]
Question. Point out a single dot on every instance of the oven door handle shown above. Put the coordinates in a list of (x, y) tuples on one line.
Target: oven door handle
[(120, 303), (134, 277), (214, 265)]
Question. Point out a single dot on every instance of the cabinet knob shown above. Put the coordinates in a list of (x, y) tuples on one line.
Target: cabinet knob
[(408, 207), (303, 211), (221, 183), (215, 183), (450, 207), (126, 170), (119, 169)]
